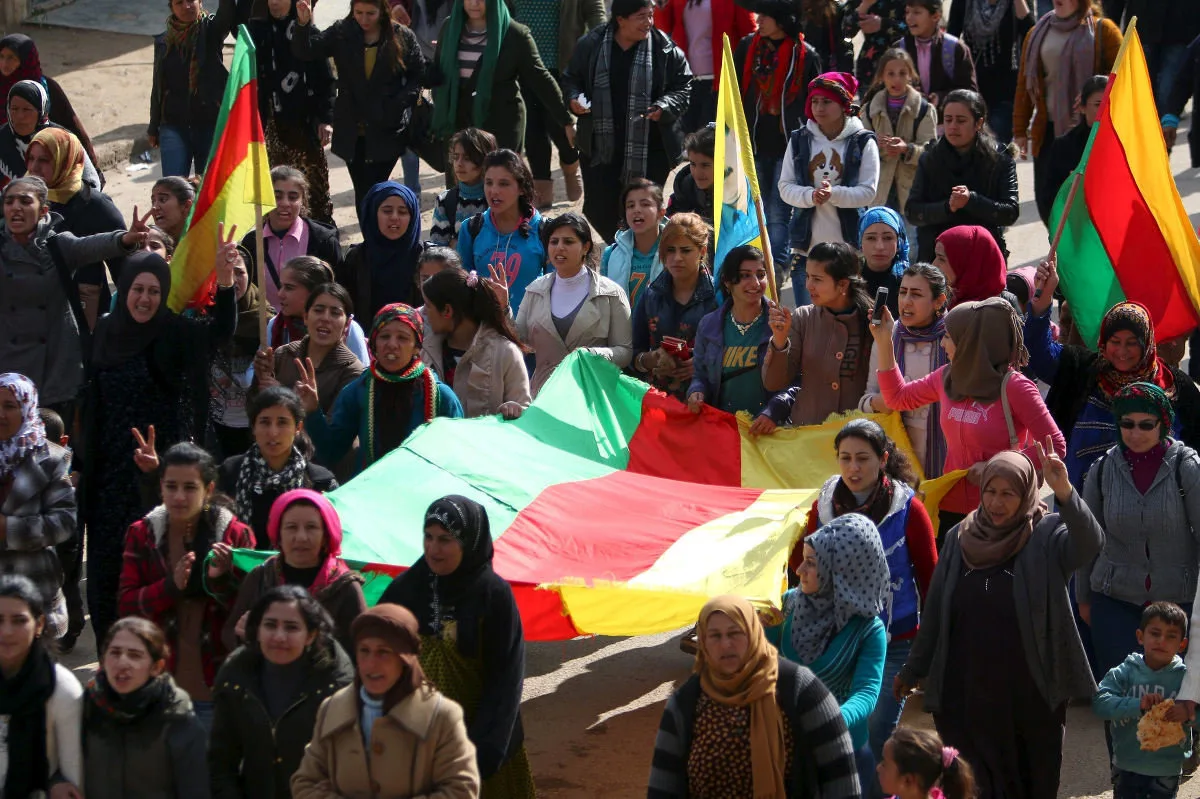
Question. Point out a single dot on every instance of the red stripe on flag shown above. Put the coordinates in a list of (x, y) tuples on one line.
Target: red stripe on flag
[(231, 149), (672, 442), (1141, 260), (551, 541)]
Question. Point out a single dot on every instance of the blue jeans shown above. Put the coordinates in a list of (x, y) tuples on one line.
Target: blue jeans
[(1140, 786), (886, 715), (204, 714), (798, 265), (864, 764), (410, 162), (777, 212), (179, 147), (1000, 120)]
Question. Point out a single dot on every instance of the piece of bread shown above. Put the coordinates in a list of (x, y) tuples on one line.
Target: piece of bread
[(1154, 732)]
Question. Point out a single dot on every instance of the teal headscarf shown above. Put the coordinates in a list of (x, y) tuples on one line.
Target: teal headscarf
[(881, 213), (1145, 398), (445, 106)]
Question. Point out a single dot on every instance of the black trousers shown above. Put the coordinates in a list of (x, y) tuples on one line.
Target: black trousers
[(703, 106), (602, 188), (364, 174), (540, 131)]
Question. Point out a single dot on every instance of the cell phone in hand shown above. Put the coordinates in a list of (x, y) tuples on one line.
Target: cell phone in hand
[(881, 295)]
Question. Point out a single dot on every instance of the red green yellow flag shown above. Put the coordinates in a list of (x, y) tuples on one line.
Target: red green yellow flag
[(238, 178), (1127, 235)]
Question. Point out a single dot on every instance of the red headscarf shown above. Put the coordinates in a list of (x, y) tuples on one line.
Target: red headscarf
[(979, 268), (334, 567), (30, 68)]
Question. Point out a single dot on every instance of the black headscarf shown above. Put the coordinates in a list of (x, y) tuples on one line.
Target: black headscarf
[(23, 700), (118, 336)]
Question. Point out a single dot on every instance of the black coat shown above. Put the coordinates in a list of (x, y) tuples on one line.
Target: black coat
[(993, 184), (91, 211), (292, 90), (205, 105), (1064, 155), (317, 477), (322, 243), (381, 104), (252, 756), (159, 756), (1187, 86), (1159, 21), (771, 136), (1076, 380), (670, 90)]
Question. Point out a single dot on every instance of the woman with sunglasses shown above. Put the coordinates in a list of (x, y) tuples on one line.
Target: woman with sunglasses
[(1145, 492)]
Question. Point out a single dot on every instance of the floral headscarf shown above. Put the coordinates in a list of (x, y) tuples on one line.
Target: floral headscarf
[(32, 434), (853, 572), (1134, 317), (1145, 398)]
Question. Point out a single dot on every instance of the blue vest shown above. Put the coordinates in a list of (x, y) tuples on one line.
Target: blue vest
[(901, 605), (800, 232)]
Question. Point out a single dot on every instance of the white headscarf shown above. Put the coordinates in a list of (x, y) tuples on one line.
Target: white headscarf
[(32, 435)]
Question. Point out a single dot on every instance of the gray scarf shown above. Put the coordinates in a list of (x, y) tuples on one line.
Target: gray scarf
[(637, 128), (982, 28)]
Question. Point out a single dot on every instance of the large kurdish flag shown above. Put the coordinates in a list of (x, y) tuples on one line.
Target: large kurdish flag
[(1127, 235), (615, 510), (238, 177)]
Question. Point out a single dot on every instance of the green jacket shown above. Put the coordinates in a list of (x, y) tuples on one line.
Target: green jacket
[(575, 18), (517, 66)]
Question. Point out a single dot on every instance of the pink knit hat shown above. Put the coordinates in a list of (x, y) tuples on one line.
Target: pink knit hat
[(839, 87), (329, 517)]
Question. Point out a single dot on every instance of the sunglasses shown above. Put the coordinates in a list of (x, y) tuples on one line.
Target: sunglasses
[(1145, 424)]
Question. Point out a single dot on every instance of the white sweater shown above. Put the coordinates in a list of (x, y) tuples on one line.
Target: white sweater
[(64, 735), (825, 163)]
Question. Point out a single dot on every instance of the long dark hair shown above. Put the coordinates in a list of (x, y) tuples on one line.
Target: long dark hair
[(898, 466), (186, 454), (469, 297), (283, 397), (389, 31), (841, 262), (985, 145), (515, 164), (731, 267), (316, 618)]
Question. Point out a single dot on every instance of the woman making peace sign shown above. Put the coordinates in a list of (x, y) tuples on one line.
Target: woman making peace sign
[(381, 407)]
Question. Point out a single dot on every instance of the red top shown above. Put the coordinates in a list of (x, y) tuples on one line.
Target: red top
[(728, 18)]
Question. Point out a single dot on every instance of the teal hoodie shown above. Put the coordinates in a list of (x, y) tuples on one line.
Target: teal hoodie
[(1119, 700), (630, 269)]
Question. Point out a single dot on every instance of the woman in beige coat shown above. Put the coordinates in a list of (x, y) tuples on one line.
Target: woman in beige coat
[(472, 346), (415, 741), (574, 308)]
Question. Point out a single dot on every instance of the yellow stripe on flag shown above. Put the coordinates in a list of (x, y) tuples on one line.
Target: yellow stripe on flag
[(1135, 120)]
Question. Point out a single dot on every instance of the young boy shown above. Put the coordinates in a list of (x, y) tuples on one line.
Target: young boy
[(1137, 685), (943, 62), (692, 190), (468, 148)]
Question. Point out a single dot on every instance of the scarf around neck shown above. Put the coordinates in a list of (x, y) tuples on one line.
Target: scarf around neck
[(1135, 318), (637, 127), (445, 109), (256, 478), (184, 36), (935, 442), (875, 507), (127, 708), (333, 567), (31, 436), (23, 699), (768, 68), (752, 686), (985, 543), (119, 336), (982, 28), (1075, 64)]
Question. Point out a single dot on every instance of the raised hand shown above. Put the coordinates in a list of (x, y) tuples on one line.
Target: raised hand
[(303, 12), (227, 255), (264, 368), (498, 283), (780, 322), (306, 386), (1045, 282), (221, 560), (138, 230), (145, 456), (1054, 470), (183, 570)]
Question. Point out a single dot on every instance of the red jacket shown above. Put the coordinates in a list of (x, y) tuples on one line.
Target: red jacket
[(728, 18), (147, 587)]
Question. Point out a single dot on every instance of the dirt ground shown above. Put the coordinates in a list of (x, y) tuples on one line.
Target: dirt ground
[(591, 707)]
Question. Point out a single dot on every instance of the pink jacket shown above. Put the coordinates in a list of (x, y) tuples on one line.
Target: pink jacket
[(975, 432)]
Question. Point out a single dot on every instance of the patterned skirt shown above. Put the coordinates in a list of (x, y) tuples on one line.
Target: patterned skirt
[(461, 679), (293, 145)]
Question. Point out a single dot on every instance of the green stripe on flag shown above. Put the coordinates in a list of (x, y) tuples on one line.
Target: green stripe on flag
[(375, 580), (1086, 274)]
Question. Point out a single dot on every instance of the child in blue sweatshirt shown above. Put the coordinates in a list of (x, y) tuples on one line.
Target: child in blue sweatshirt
[(831, 622), (468, 148), (1137, 685), (632, 261)]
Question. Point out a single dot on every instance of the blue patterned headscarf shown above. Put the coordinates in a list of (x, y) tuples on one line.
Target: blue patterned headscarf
[(881, 213)]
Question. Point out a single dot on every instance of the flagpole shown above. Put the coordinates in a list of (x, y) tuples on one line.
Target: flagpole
[(261, 260), (1076, 179), (768, 257)]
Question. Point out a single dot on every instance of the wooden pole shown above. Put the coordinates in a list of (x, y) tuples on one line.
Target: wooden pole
[(768, 257), (1062, 223), (261, 260)]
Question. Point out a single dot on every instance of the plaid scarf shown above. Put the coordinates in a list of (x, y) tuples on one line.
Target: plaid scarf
[(184, 36), (637, 129)]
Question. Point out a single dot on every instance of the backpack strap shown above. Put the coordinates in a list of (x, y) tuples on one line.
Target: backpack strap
[(475, 224), (451, 205), (1099, 465), (949, 47), (1179, 477), (922, 112), (1013, 443)]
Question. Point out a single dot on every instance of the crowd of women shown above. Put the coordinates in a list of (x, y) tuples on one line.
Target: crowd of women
[(165, 440)]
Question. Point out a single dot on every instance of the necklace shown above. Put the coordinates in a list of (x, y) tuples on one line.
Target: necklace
[(742, 328)]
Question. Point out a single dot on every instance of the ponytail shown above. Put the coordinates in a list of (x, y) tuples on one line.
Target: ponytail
[(469, 297), (920, 753)]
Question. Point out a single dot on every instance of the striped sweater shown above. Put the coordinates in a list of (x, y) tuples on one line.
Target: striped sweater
[(851, 667), (822, 757)]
